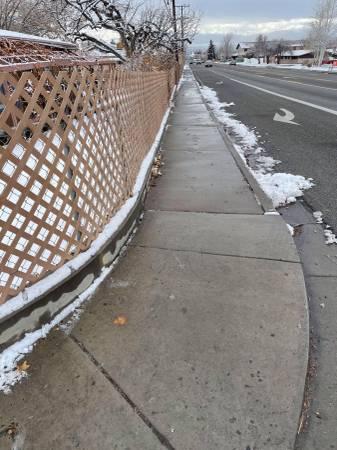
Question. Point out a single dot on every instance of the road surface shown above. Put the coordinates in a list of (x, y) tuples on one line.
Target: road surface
[(309, 148)]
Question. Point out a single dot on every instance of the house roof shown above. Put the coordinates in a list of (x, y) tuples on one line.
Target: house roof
[(244, 45), (56, 43), (297, 53)]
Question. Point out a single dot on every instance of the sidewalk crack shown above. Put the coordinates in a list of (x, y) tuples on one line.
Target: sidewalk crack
[(203, 252), (161, 437)]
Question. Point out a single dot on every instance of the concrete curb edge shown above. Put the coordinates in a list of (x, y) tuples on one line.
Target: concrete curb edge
[(260, 195)]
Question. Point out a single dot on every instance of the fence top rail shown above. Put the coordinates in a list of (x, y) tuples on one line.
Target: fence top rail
[(20, 54), (61, 62), (56, 43)]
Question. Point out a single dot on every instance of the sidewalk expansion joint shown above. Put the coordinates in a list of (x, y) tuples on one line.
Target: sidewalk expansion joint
[(222, 213), (225, 255), (193, 125), (192, 150), (162, 439)]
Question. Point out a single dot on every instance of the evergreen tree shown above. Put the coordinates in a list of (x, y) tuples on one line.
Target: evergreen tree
[(211, 51)]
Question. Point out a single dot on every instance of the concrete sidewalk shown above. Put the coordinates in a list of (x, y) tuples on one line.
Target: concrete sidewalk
[(214, 351)]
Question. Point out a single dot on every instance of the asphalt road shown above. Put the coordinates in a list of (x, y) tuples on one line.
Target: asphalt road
[(308, 149)]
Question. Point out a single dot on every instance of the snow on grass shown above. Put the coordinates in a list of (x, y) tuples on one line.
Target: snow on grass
[(282, 188)]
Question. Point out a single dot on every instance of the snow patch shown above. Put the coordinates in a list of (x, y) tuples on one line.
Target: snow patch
[(253, 62), (282, 188), (318, 215), (291, 229), (330, 238), (9, 358)]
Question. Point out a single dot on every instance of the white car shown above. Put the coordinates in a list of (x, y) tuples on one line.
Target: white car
[(209, 63)]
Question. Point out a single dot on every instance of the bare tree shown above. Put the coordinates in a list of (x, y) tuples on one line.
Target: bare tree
[(31, 16), (189, 25), (261, 45), (278, 48), (323, 27), (227, 47), (140, 29), (8, 13)]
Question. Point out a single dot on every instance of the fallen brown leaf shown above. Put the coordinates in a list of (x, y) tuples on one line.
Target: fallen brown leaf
[(298, 229), (23, 367), (12, 429), (120, 321)]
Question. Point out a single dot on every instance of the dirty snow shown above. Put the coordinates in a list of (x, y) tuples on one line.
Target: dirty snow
[(282, 188)]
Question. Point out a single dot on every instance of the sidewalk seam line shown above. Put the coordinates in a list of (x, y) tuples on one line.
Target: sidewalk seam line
[(214, 254), (208, 212), (202, 212), (162, 439)]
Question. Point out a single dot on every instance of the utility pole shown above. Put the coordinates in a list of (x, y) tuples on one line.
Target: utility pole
[(182, 7), (174, 15)]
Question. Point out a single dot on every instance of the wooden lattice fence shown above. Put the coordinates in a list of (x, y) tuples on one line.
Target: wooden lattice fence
[(72, 140)]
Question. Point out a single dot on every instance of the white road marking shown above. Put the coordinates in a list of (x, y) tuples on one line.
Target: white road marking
[(287, 118), (291, 76), (286, 97), (313, 85), (294, 77)]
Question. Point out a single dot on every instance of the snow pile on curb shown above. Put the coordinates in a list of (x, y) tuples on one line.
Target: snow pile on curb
[(318, 215), (330, 237), (282, 188), (253, 62)]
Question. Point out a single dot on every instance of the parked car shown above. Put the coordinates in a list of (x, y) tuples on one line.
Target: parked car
[(232, 63), (208, 63), (197, 61)]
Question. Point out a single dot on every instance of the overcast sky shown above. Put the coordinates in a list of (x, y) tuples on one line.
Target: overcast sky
[(246, 18)]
